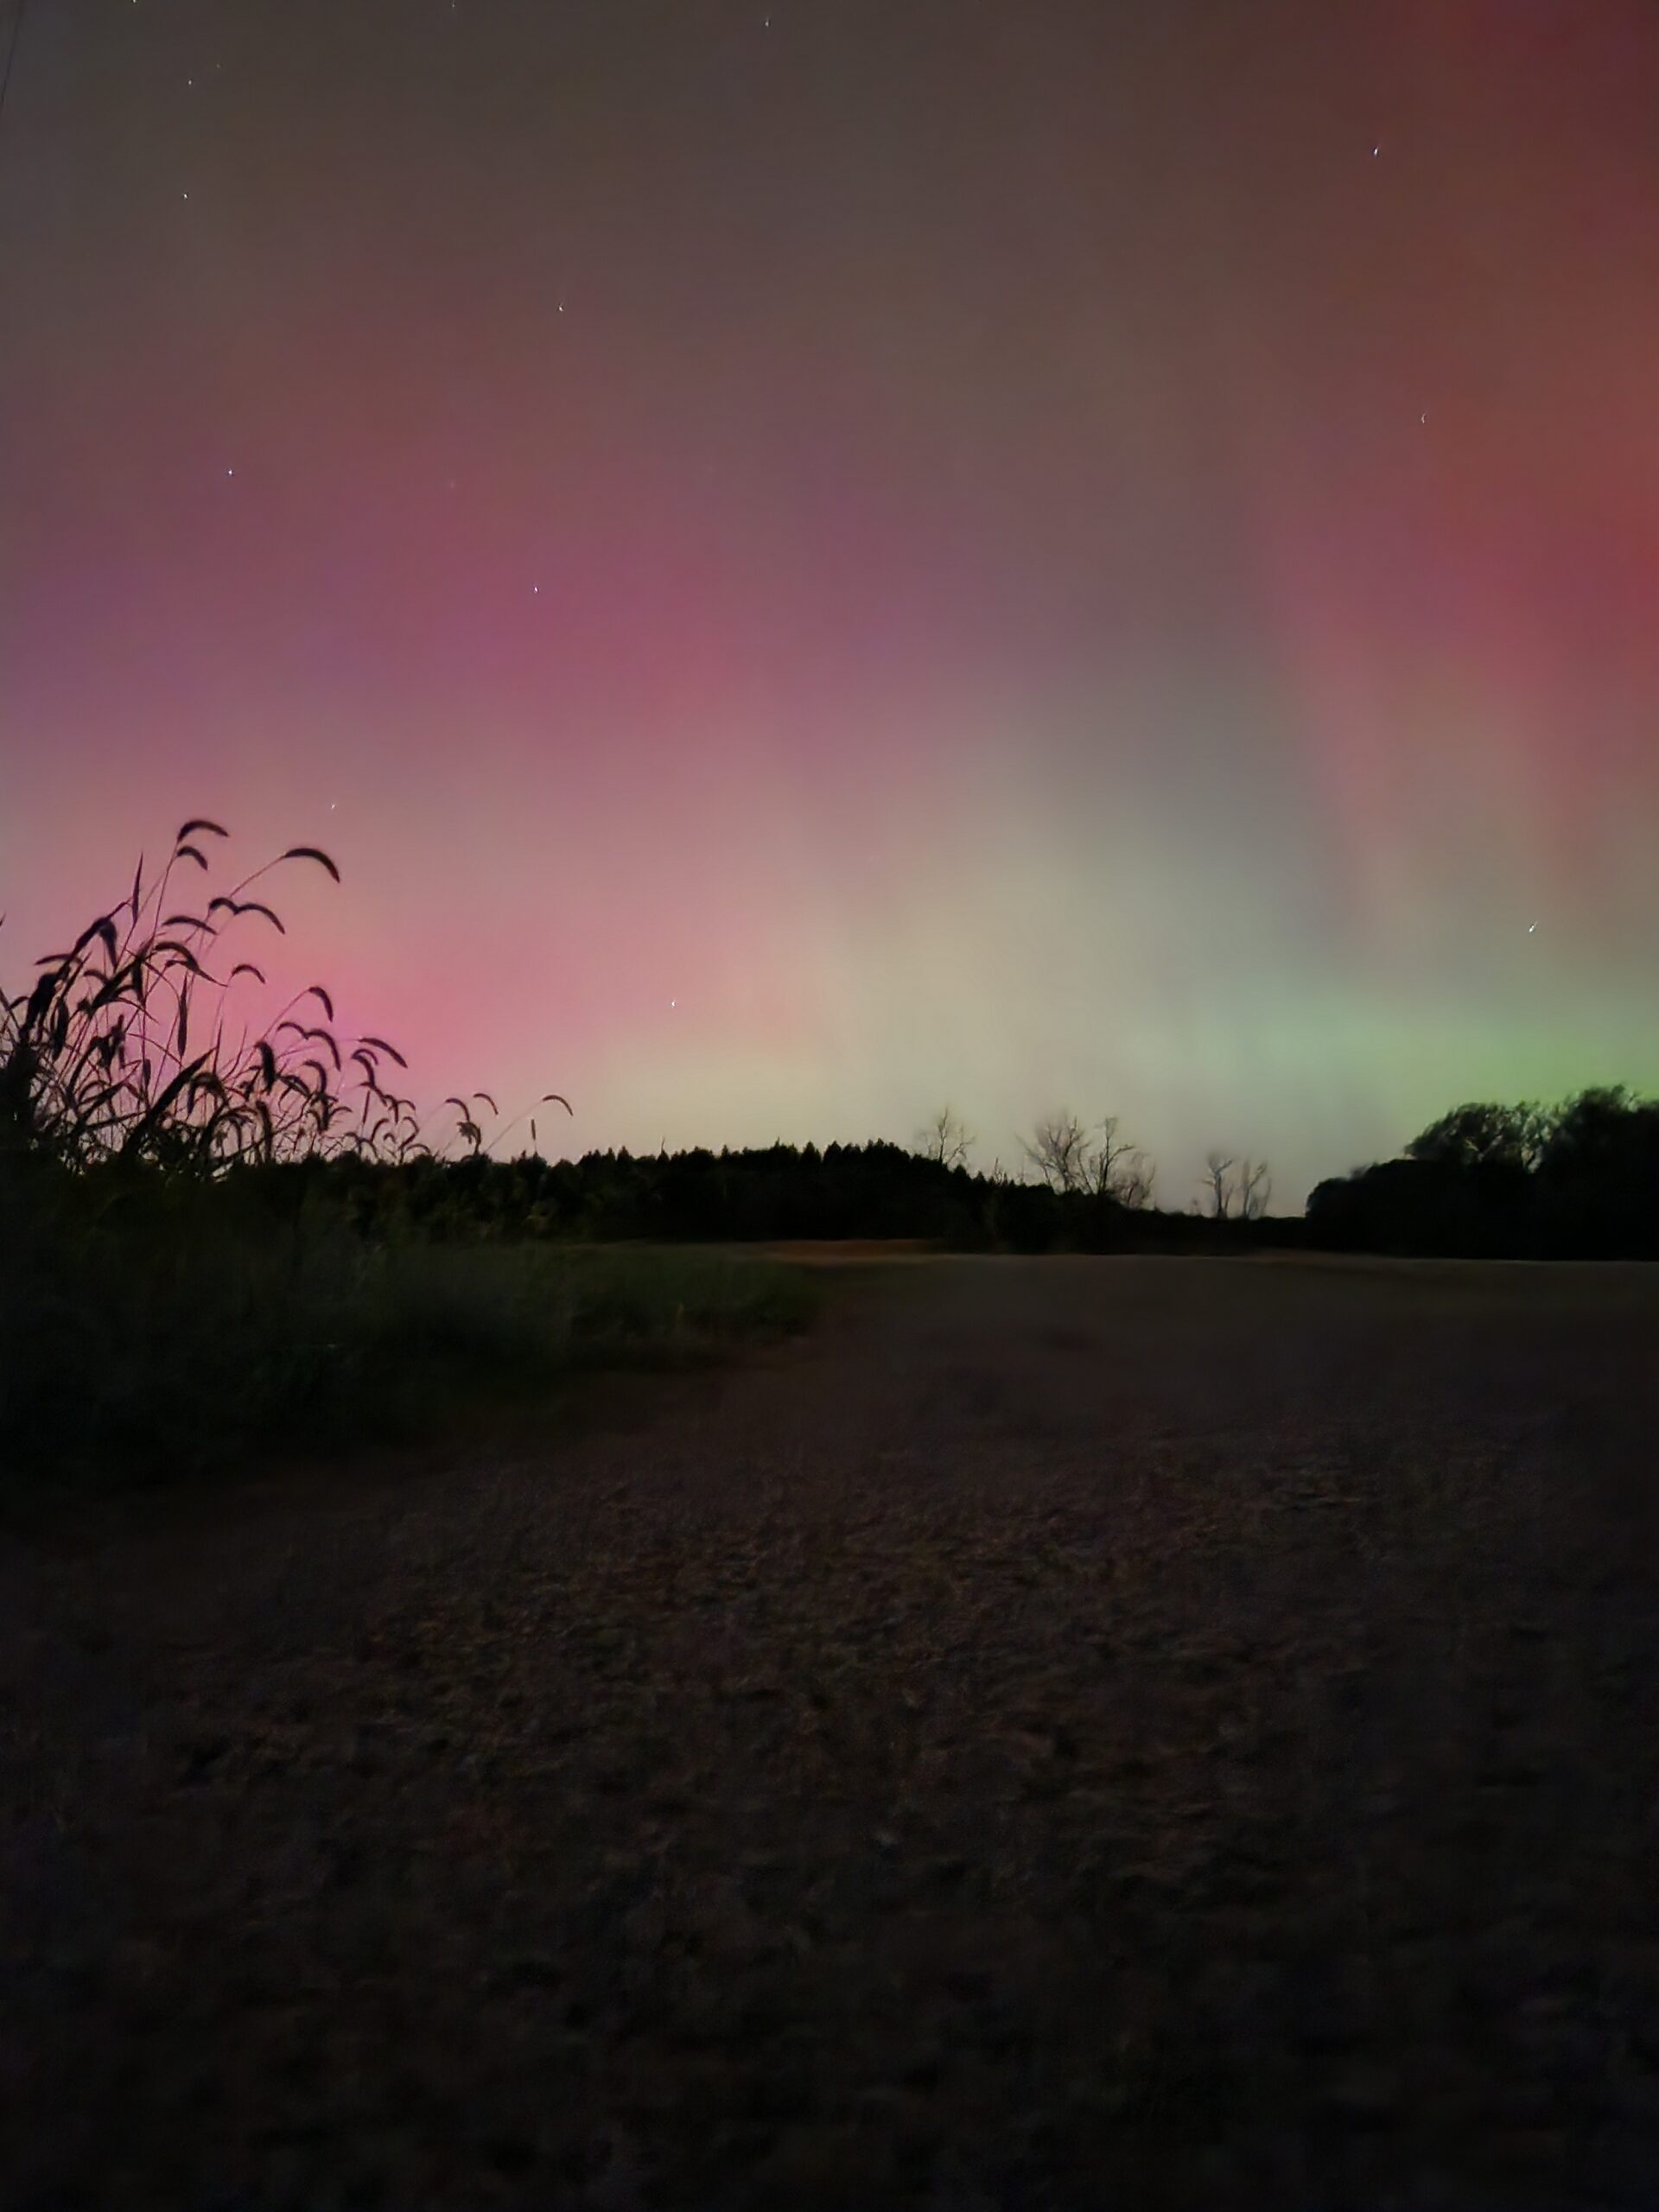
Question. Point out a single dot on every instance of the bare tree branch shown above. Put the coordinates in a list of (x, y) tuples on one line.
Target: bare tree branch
[(1118, 1169), (1255, 1186), (1217, 1184), (1060, 1154), (946, 1139), (1132, 1180), (1235, 1190)]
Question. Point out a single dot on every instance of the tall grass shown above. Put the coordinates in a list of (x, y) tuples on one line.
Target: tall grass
[(124, 1047), (163, 1310), (174, 1334)]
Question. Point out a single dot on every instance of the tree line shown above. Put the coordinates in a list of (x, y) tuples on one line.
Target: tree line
[(1580, 1180), (1076, 1191), (124, 1059)]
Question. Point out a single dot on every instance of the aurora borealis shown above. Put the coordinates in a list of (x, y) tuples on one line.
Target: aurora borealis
[(812, 558)]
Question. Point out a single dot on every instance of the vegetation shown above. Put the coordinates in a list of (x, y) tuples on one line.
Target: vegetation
[(1235, 1189), (757, 1195), (1069, 1160), (221, 1234), (189, 1271), (178, 1327), (97, 1064), (1576, 1181)]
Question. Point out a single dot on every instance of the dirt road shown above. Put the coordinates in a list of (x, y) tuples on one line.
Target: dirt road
[(1075, 1733)]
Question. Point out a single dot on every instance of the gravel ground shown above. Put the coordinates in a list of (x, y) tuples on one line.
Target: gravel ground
[(1070, 1732)]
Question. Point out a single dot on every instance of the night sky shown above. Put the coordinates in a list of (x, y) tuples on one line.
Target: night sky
[(810, 558)]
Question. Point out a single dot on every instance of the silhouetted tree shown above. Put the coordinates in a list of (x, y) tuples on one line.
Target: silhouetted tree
[(1119, 1170), (1480, 1135), (1110, 1168), (1581, 1180), (1218, 1184), (1599, 1132), (946, 1139), (1235, 1190), (1254, 1183), (1060, 1154), (1597, 1176)]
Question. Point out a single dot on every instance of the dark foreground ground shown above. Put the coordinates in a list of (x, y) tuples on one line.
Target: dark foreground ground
[(1074, 1733)]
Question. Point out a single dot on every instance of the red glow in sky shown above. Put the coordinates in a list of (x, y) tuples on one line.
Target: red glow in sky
[(807, 560)]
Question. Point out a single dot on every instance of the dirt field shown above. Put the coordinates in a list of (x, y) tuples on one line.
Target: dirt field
[(1076, 1734)]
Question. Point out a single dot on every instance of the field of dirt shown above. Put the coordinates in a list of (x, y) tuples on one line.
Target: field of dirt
[(1073, 1733)]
